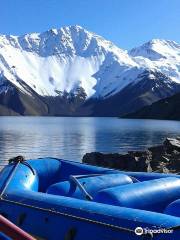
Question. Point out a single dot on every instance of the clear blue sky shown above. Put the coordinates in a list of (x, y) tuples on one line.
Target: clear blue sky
[(128, 23)]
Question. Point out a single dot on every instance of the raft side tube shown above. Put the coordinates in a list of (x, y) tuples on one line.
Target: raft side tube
[(61, 210), (173, 208), (153, 195)]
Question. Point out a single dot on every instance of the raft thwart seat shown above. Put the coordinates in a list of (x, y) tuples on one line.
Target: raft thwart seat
[(92, 184)]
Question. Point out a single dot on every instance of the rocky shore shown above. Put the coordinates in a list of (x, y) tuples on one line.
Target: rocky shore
[(163, 158)]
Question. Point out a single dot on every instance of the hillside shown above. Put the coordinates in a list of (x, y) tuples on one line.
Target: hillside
[(168, 108)]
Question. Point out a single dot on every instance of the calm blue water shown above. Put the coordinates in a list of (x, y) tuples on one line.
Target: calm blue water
[(70, 138)]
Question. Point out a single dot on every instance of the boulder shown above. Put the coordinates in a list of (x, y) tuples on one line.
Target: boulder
[(161, 158), (172, 144)]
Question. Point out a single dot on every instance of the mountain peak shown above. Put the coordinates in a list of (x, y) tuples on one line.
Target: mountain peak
[(76, 27), (163, 43), (156, 49)]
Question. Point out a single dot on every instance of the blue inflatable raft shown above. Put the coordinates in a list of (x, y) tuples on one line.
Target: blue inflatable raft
[(64, 200)]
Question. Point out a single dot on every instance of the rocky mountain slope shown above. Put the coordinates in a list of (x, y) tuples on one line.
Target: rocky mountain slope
[(168, 108), (71, 71)]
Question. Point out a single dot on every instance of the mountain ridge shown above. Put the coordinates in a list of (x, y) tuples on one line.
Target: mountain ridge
[(59, 62)]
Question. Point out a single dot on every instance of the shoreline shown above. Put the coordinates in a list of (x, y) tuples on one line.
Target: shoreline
[(164, 158)]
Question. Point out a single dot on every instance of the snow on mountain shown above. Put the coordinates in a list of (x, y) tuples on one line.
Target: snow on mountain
[(58, 60), (156, 49), (156, 55), (161, 55), (62, 60)]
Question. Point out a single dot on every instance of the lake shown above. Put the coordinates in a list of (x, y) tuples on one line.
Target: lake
[(71, 138)]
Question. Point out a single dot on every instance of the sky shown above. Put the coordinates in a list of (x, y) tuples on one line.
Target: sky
[(127, 23)]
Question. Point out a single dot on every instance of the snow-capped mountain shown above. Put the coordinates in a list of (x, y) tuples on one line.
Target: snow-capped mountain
[(71, 70), (162, 55), (58, 60)]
